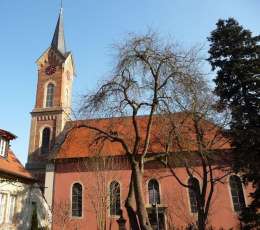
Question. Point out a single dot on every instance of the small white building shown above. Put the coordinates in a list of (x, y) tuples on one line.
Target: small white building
[(20, 196)]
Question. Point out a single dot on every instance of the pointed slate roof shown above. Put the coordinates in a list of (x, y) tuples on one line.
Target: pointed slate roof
[(58, 40)]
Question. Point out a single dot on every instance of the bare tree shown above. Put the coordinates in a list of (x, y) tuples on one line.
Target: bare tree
[(61, 214), (198, 139), (146, 74), (100, 193)]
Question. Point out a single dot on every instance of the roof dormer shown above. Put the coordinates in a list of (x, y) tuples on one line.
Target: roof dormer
[(5, 138)]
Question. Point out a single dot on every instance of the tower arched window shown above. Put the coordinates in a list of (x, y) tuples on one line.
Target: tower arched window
[(76, 200), (237, 193), (114, 198), (194, 187), (46, 136), (154, 193), (50, 95)]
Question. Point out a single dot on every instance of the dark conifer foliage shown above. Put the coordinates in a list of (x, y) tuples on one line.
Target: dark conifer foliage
[(235, 55)]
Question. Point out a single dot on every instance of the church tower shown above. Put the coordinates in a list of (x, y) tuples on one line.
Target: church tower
[(53, 100)]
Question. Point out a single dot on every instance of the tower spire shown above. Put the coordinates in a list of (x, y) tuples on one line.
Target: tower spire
[(58, 40)]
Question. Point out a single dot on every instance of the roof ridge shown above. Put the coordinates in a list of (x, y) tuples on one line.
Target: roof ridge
[(119, 117)]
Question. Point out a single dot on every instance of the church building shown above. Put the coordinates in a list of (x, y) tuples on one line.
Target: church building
[(86, 185)]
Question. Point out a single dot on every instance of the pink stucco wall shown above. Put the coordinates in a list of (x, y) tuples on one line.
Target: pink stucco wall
[(174, 197)]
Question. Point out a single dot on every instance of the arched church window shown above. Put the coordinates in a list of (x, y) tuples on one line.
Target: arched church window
[(46, 134), (194, 187), (114, 198), (76, 200), (50, 95), (154, 193), (237, 193)]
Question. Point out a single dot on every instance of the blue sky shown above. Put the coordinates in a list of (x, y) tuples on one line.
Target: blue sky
[(91, 28)]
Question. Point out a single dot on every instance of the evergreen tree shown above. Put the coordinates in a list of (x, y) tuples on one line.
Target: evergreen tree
[(235, 55)]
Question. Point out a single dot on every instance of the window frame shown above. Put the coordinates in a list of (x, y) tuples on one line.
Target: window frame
[(3, 220), (41, 139), (231, 196), (189, 190), (7, 206), (50, 95), (116, 215), (44, 101), (159, 192), (10, 219), (82, 200), (4, 146)]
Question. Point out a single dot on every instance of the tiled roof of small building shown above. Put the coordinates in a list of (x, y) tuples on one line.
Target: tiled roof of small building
[(9, 164), (7, 135), (82, 142)]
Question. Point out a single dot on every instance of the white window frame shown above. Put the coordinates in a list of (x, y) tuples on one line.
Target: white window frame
[(82, 200), (11, 209), (7, 208), (3, 206), (3, 146)]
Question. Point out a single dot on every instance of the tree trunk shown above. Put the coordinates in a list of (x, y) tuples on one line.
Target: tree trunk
[(201, 220), (137, 177), (129, 205)]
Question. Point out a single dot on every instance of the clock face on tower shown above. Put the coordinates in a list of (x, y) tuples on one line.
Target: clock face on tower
[(50, 70)]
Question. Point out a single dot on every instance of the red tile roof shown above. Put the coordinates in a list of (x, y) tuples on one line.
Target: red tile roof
[(7, 135), (80, 142), (11, 166)]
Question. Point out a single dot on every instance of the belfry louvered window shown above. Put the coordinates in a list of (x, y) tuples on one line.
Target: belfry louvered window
[(237, 193), (76, 200), (114, 198), (154, 193), (193, 189), (50, 95), (46, 135)]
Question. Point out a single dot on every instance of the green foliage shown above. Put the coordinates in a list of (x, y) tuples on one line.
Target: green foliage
[(235, 56)]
